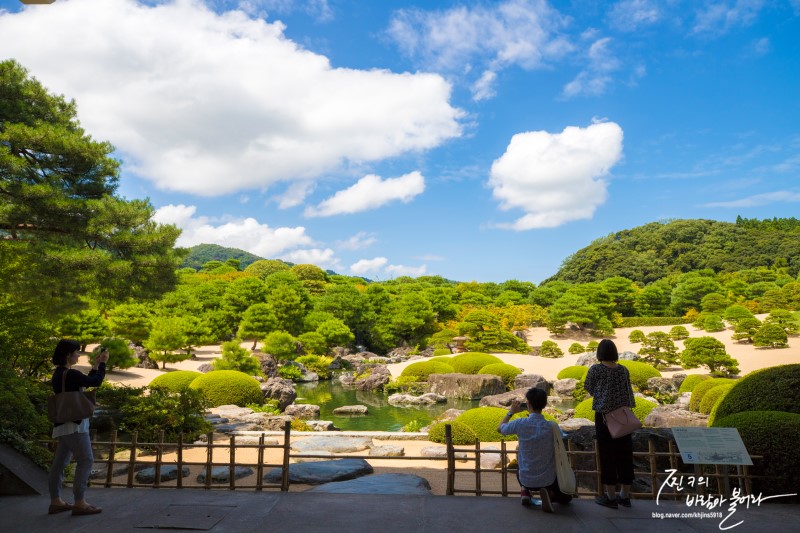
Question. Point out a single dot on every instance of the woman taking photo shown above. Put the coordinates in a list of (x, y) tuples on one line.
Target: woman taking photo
[(610, 386), (73, 437)]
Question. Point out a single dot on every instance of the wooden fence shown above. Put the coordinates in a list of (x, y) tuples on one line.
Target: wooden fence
[(121, 471)]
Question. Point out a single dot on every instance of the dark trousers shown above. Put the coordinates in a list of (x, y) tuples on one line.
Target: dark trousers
[(555, 492), (616, 455)]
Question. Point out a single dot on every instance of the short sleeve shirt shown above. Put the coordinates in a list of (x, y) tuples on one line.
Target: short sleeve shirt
[(535, 453), (610, 387)]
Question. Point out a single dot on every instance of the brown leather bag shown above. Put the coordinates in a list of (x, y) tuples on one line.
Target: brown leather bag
[(621, 421), (70, 406)]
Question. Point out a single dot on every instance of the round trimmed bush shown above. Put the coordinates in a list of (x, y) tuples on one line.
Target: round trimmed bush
[(642, 409), (550, 349), (484, 421), (691, 382), (636, 335), (576, 348), (678, 333), (712, 397), (574, 372), (421, 370), (461, 433), (640, 372), (228, 387), (175, 381), (770, 389), (471, 362), (504, 370), (702, 388), (441, 358), (442, 351), (775, 435)]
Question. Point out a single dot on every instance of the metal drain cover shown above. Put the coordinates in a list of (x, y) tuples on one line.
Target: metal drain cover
[(197, 517)]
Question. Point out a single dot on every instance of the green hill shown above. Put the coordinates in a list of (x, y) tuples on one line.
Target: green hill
[(653, 251), (203, 253)]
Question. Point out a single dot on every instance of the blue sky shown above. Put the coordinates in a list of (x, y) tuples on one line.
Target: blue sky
[(480, 141)]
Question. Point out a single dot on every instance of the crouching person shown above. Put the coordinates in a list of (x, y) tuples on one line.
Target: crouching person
[(535, 454)]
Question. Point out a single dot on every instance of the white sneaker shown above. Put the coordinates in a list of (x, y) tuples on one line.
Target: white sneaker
[(547, 507)]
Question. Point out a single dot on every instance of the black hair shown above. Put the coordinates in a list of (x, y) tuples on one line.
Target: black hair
[(63, 349), (537, 398), (607, 351)]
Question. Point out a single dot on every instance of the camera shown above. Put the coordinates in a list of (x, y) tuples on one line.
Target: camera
[(101, 349)]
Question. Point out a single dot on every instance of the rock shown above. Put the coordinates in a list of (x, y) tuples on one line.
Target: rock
[(449, 415), (405, 484), (235, 427), (429, 398), (527, 381), (387, 450), (168, 473), (441, 451), (629, 356), (266, 422), (351, 410), (645, 397), (347, 379), (573, 424), (319, 472), (269, 365), (379, 376), (504, 400), (466, 386), (254, 439), (678, 379), (308, 377), (333, 444), (302, 410), (663, 386), (587, 359), (489, 459), (205, 368), (230, 411), (222, 474), (143, 357), (301, 457), (402, 352), (354, 358), (683, 400), (322, 425), (668, 416), (279, 389), (565, 387)]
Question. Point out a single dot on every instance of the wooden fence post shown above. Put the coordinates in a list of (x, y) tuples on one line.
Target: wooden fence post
[(503, 468), (180, 460), (287, 435), (132, 459), (159, 450), (232, 467), (260, 465), (112, 449), (477, 467), (209, 457), (451, 462)]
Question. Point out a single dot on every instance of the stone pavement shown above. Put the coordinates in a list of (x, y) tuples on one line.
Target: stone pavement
[(137, 510)]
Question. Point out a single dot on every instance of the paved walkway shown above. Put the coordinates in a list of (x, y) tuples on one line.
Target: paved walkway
[(298, 512)]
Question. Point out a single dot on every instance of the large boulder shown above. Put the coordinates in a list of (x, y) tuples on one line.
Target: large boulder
[(351, 410), (401, 484), (429, 398), (222, 474), (378, 376), (528, 381), (465, 386), (663, 386), (590, 358), (333, 444), (319, 472), (279, 389), (671, 415), (504, 400), (304, 411), (565, 387), (269, 365)]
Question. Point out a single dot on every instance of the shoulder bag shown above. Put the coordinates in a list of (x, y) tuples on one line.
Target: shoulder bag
[(564, 473), (70, 406), (621, 421)]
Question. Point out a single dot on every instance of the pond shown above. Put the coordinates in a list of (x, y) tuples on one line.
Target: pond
[(330, 394)]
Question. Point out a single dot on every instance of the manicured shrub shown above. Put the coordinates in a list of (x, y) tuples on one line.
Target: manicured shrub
[(175, 381), (504, 370), (484, 421), (422, 369), (550, 349), (640, 372), (642, 409), (119, 355), (591, 346), (317, 363), (702, 388), (576, 348), (228, 387), (575, 372), (290, 372), (636, 335), (441, 358), (770, 389), (774, 435), (461, 433), (691, 382), (712, 397), (677, 333), (471, 362), (441, 351)]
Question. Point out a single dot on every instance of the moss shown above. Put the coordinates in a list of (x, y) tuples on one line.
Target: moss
[(712, 397), (484, 421), (702, 388), (421, 370), (505, 371), (472, 362), (574, 372), (691, 382), (771, 389), (774, 435), (175, 381), (226, 387), (461, 433), (640, 372), (642, 409)]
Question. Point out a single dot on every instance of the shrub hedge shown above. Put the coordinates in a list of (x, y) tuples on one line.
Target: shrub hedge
[(770, 389), (640, 372), (642, 409), (175, 381), (640, 321), (712, 397), (691, 382), (461, 433), (504, 370), (575, 372), (441, 351), (422, 369), (228, 387), (471, 362), (702, 388), (484, 421), (774, 435)]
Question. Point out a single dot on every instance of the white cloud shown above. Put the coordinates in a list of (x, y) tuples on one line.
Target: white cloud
[(359, 241), (759, 200), (595, 78), (370, 192), (216, 103), (483, 89), (760, 47), (294, 194), (368, 266), (633, 15), (244, 233), (523, 33), (323, 258), (403, 270), (720, 17), (556, 177)]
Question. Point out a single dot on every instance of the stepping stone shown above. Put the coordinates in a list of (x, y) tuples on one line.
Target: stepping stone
[(333, 444), (222, 474), (319, 472), (351, 410), (168, 473), (387, 450), (406, 484), (298, 458)]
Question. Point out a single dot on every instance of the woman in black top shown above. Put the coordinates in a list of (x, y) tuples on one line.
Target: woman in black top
[(610, 386), (73, 437)]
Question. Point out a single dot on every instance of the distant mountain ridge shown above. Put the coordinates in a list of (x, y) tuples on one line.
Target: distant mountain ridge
[(650, 252), (203, 253)]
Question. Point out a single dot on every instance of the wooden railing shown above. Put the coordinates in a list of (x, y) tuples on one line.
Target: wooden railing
[(480, 482)]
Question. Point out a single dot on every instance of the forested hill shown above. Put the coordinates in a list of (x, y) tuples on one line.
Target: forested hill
[(647, 253), (203, 253)]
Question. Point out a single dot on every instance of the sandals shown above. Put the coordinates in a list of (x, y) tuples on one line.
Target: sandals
[(59, 508), (89, 509)]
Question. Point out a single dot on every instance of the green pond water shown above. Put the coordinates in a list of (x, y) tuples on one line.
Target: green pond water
[(330, 394)]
